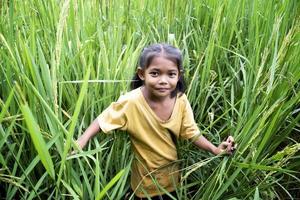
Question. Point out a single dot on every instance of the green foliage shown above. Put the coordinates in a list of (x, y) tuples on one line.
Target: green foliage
[(63, 62)]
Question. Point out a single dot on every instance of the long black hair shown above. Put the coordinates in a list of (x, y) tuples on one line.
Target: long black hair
[(167, 51)]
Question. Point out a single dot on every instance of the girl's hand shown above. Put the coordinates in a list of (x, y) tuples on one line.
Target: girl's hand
[(78, 146), (81, 142), (90, 132), (228, 146)]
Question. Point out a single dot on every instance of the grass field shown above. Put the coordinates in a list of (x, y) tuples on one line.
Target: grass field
[(63, 62)]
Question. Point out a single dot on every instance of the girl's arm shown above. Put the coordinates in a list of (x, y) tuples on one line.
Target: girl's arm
[(226, 146), (90, 132)]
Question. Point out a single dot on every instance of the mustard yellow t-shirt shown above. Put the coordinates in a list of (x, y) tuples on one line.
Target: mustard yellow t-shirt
[(155, 152)]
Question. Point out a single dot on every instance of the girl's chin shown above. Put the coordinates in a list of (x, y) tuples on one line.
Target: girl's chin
[(162, 93)]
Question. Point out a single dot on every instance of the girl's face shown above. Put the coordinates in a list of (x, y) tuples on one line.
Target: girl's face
[(160, 77)]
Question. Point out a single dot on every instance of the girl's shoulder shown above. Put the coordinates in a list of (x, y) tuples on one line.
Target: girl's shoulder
[(130, 96), (182, 96), (183, 100)]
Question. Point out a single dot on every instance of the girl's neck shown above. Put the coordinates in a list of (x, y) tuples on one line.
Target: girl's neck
[(162, 107)]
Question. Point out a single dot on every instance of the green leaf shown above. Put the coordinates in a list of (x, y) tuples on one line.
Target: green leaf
[(69, 188), (256, 195), (38, 140), (110, 184), (263, 167), (6, 105)]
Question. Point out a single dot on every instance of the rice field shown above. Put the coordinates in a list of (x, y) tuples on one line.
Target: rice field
[(63, 62)]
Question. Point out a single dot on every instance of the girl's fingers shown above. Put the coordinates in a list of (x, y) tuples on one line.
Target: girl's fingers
[(225, 146), (232, 147), (230, 139), (228, 147)]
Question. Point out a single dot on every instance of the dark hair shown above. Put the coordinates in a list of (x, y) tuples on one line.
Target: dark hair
[(167, 51)]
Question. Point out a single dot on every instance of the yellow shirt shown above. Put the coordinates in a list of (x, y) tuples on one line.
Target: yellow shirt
[(155, 152)]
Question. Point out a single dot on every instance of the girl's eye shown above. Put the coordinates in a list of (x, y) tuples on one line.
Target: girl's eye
[(154, 74), (173, 74)]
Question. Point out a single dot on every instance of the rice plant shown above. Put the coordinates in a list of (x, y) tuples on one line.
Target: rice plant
[(63, 62)]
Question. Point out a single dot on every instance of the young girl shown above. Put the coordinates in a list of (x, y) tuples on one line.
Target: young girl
[(154, 112)]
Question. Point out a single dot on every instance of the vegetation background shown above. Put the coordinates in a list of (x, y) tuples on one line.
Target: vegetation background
[(63, 62)]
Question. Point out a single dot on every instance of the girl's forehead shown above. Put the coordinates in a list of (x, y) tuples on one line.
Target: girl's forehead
[(163, 61)]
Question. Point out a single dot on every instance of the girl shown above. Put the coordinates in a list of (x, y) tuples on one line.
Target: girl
[(154, 112)]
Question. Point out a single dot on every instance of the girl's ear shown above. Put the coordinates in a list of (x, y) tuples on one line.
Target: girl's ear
[(140, 73), (180, 74)]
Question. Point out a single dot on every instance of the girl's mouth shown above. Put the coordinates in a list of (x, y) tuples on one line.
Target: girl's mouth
[(162, 89)]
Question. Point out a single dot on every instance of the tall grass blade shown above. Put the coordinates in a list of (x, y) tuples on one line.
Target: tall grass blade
[(256, 195), (72, 192), (74, 119), (6, 105), (38, 141), (110, 184)]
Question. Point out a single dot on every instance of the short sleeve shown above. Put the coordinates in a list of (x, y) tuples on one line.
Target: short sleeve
[(114, 117), (189, 129)]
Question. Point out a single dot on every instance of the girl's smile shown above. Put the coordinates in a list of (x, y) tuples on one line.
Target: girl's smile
[(160, 77)]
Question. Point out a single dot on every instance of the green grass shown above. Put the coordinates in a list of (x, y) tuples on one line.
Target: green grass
[(62, 63)]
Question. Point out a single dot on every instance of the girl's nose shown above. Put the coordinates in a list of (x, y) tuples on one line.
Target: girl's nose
[(163, 79)]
